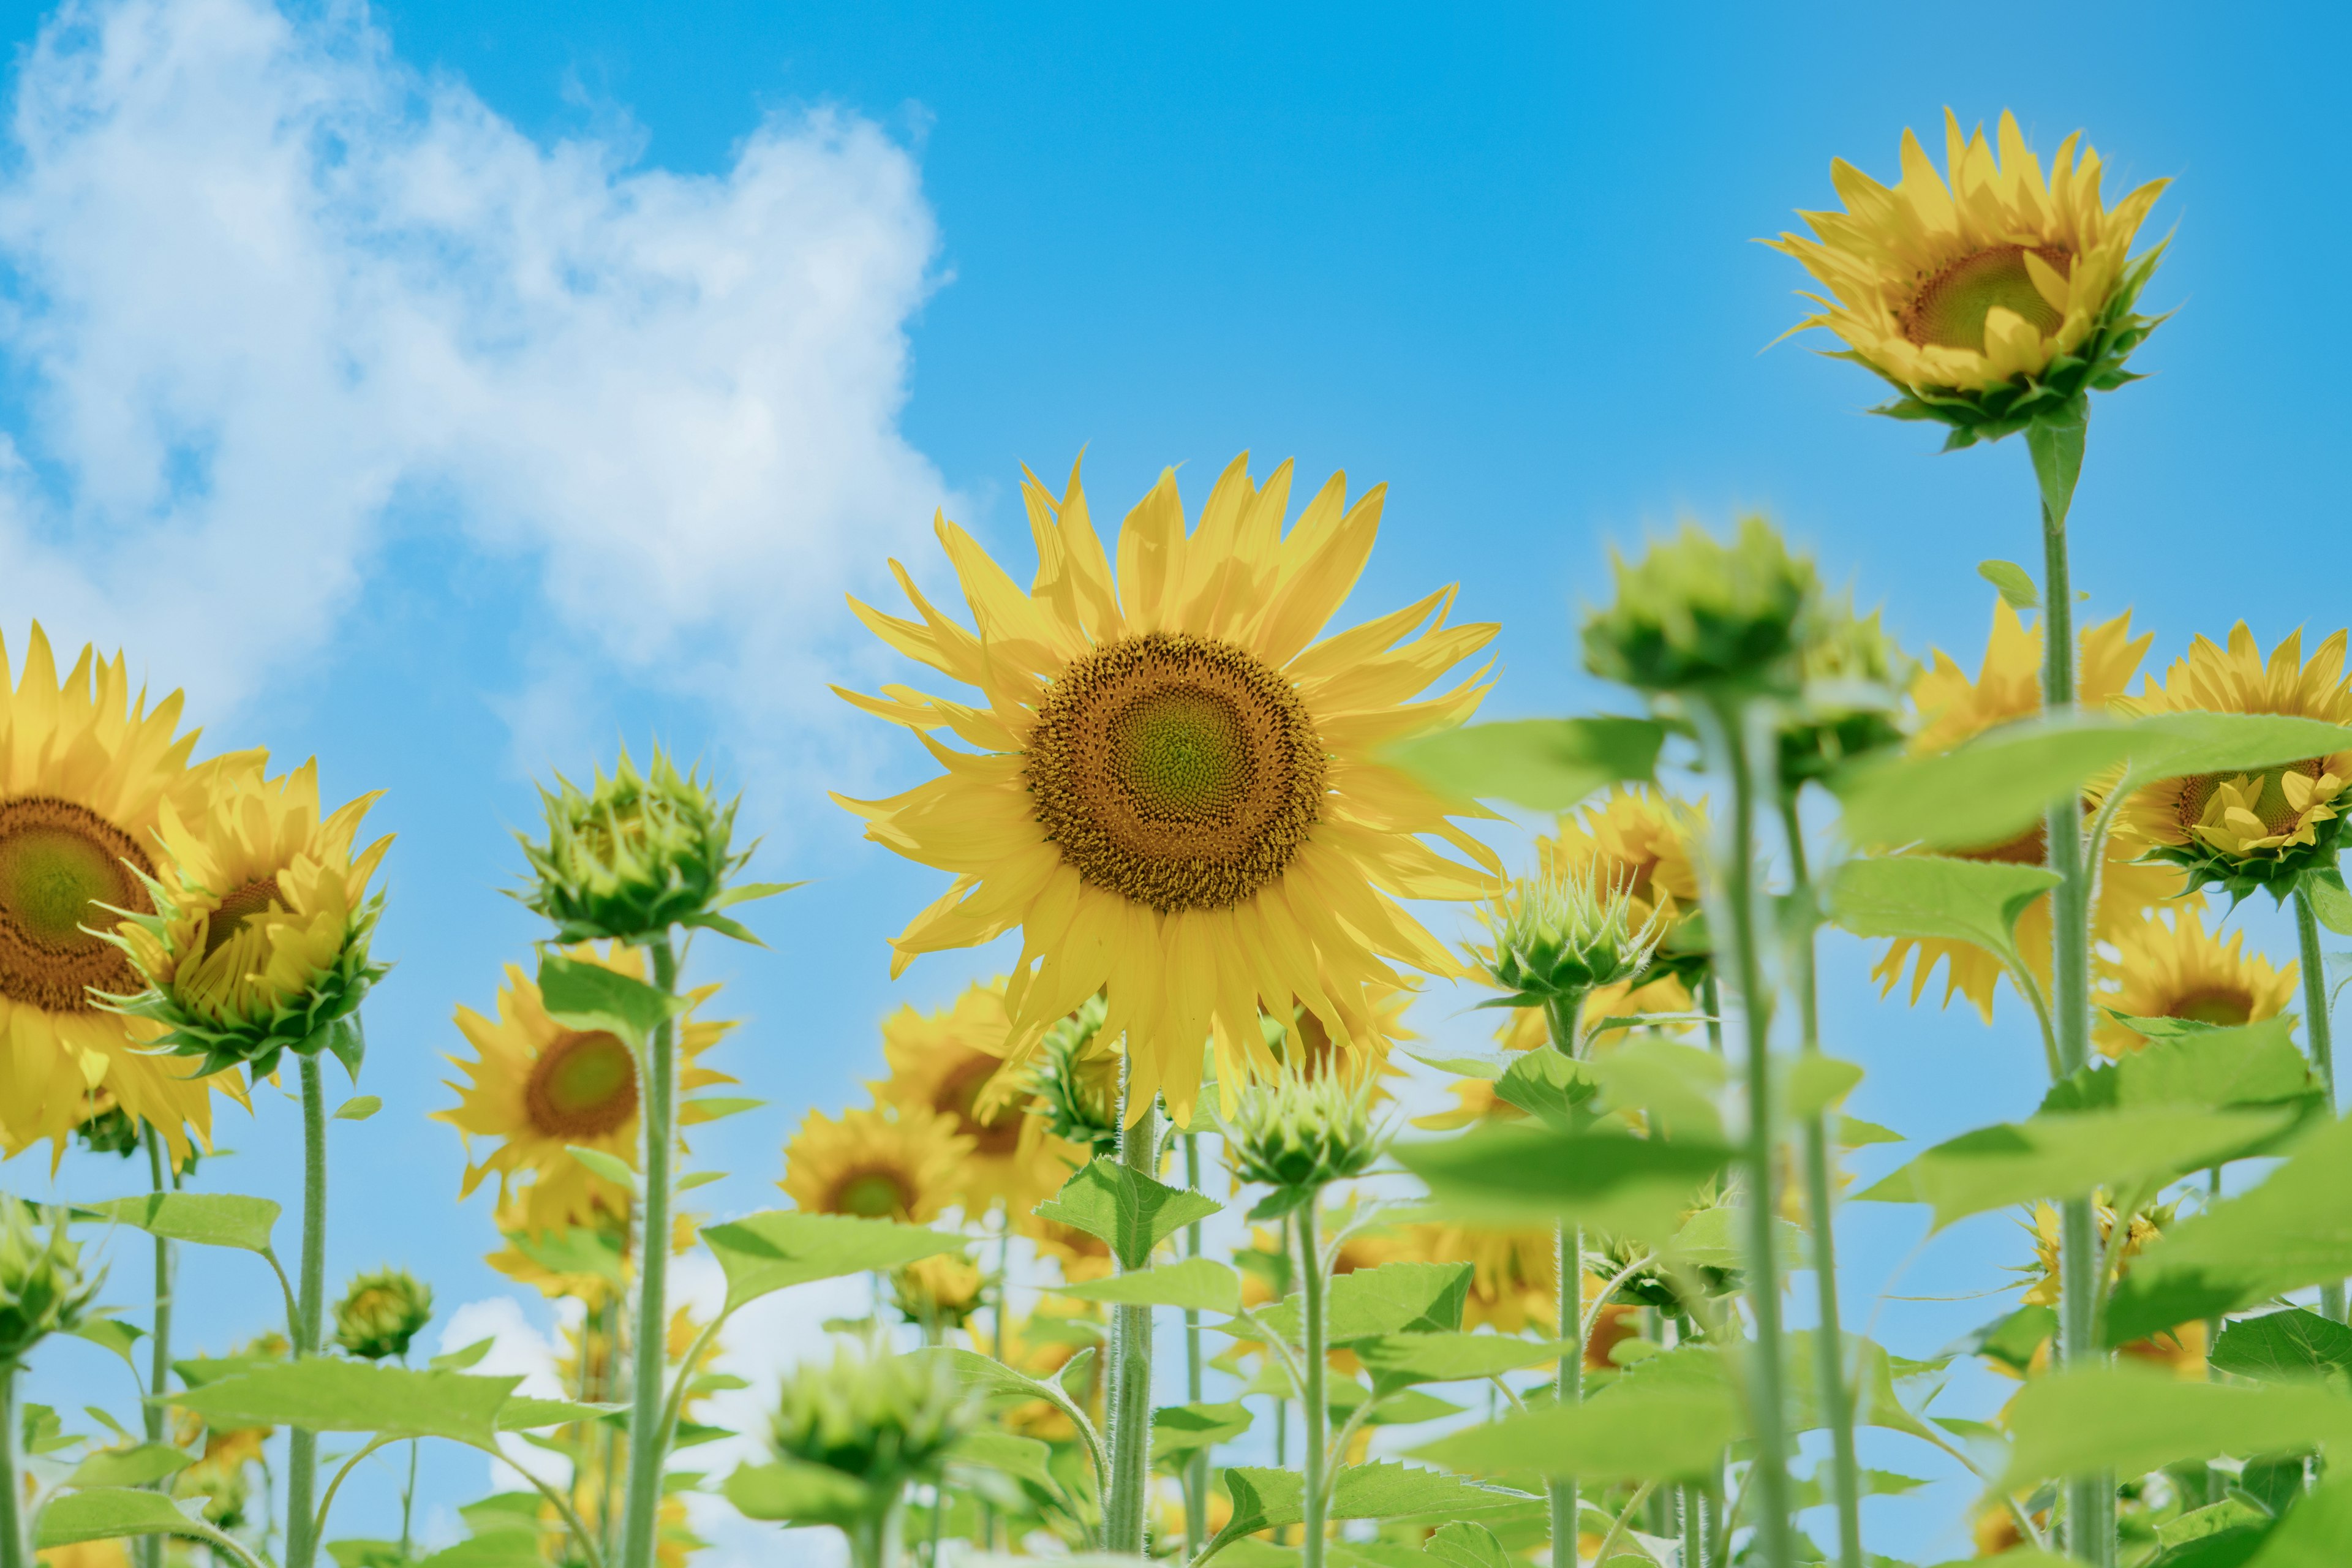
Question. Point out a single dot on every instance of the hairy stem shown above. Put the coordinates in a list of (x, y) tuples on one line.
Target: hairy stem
[(1313, 1393), (16, 1544), (1561, 1016), (642, 1512), (302, 1446), (2321, 1032), (159, 1347), (1196, 1468), (1125, 1509)]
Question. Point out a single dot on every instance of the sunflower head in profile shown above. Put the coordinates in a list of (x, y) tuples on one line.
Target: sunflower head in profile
[(258, 941), (541, 1088), (947, 1062), (86, 769), (2177, 969), (1989, 295), (2263, 829), (902, 1162), (1695, 615), (1171, 787)]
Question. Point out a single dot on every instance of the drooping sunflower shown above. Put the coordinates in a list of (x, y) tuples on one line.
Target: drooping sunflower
[(1987, 295), (2008, 687), (1173, 791), (2177, 969), (541, 1088), (896, 1165), (2248, 830), (86, 767), (942, 1062)]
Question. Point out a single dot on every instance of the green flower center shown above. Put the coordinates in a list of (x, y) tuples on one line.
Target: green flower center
[(583, 1085), (59, 863), (2228, 1008), (1180, 772), (1951, 308), (872, 1194)]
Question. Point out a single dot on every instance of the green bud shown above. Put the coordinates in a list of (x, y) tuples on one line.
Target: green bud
[(43, 1291), (106, 1128), (632, 857), (1850, 703), (1694, 613), (1559, 936), (884, 1419), (1077, 1086), (381, 1312), (1302, 1133)]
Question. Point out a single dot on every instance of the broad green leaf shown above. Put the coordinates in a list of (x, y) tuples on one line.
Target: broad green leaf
[(1397, 1360), (2315, 1533), (1179, 1431), (506, 1549), (2292, 1346), (359, 1108), (1985, 792), (2329, 901), (132, 1466), (113, 1334), (791, 1491), (108, 1513), (716, 1107), (2014, 1339), (1022, 1459), (463, 1358), (1717, 1238), (1853, 1133), (2294, 1230), (767, 1252), (1653, 1428), (991, 1378), (2130, 1421), (2230, 1514), (1816, 1083), (2064, 1154), (584, 995), (527, 1414), (609, 1166), (1266, 1498), (1928, 897), (206, 1219), (1196, 1284), (1518, 1175), (1544, 764), (1394, 1299), (576, 1249), (1548, 1086), (334, 1395), (2177, 745), (1870, 1376), (2015, 583), (2195, 1065), (694, 1179), (1679, 1085), (1125, 1208), (1466, 1545)]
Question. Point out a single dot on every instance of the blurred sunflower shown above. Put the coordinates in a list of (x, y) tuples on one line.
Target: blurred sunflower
[(2177, 969), (541, 1088), (876, 1164), (1080, 1255), (938, 1293), (85, 771), (1175, 794), (2242, 831), (1514, 1273), (2008, 687), (943, 1063), (2179, 1351), (583, 1259)]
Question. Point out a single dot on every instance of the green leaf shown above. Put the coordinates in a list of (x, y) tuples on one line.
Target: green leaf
[(1679, 1085), (2315, 1532), (1717, 1237), (1266, 1498), (347, 1042), (1644, 1426), (113, 1334), (464, 1357), (2203, 1066), (1396, 1360), (1985, 792), (1816, 1083), (2294, 1230), (1125, 1208), (610, 1167), (207, 1219), (1520, 1175), (2015, 584), (527, 1414), (1394, 1299), (771, 1251), (584, 995), (2078, 1422), (744, 892), (334, 1395), (1466, 1545), (107, 1513), (1544, 764), (2329, 901), (1025, 1460), (694, 1179), (1179, 1431), (132, 1466), (1927, 896), (797, 1493), (1196, 1284), (2176, 745), (714, 1107), (2066, 1154), (577, 1249), (359, 1108), (2014, 1339), (1548, 1086), (2292, 1346)]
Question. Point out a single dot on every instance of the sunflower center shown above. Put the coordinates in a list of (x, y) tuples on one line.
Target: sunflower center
[(2031, 847), (583, 1086), (1180, 772), (2228, 1008), (58, 863), (254, 897), (1951, 308), (872, 1194), (2271, 804), (998, 1134)]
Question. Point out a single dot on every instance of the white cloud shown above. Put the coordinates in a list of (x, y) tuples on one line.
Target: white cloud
[(270, 285)]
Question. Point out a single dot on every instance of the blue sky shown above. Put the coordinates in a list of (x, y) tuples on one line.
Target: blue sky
[(450, 392)]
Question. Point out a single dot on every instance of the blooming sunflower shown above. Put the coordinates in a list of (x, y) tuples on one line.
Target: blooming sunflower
[(85, 770), (541, 1088), (2008, 687), (1989, 295), (2177, 969), (2248, 830), (876, 1164), (1173, 792), (942, 1062)]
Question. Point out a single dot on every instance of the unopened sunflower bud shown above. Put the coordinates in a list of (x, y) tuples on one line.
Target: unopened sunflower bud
[(1851, 702), (1077, 1086), (43, 1289), (106, 1128), (381, 1312), (941, 1292), (1561, 935), (884, 1419), (1302, 1133), (632, 856), (1694, 613)]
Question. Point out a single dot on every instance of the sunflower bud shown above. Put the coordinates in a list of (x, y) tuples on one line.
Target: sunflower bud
[(43, 1291), (1302, 1133), (105, 1127), (941, 1292), (634, 856), (1077, 1086), (1854, 679), (1561, 935), (381, 1312), (884, 1419), (1694, 613)]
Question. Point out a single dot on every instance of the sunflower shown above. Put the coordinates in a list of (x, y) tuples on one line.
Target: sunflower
[(1080, 1256), (1987, 296), (2242, 831), (2008, 687), (876, 1164), (2179, 1350), (1174, 792), (85, 771), (942, 1062), (2177, 969), (542, 1089)]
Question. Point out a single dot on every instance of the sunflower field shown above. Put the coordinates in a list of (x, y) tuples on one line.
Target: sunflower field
[(1157, 1264)]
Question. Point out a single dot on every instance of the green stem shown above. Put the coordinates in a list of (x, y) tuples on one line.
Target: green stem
[(2217, 1484), (1004, 1295), (1561, 1015), (608, 1514), (15, 1536), (1196, 1468), (2322, 1035), (1313, 1396), (1125, 1509), (302, 1446), (159, 1346), (1820, 1218), (642, 1512)]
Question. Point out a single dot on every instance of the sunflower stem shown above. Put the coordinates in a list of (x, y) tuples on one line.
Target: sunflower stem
[(648, 1452), (1561, 1015), (1196, 1468), (301, 1446), (2322, 1035), (15, 1547), (151, 1548), (1314, 1397), (1130, 1372)]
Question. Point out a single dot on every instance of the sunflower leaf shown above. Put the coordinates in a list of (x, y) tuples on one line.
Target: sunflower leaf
[(1929, 896), (1463, 1544), (2083, 1420), (2292, 1346), (1523, 1174), (206, 1219), (1179, 1431), (767, 1252), (2177, 745), (2015, 583), (1985, 792), (2186, 1063), (108, 1513), (359, 1108), (2329, 901), (1544, 764), (113, 1334), (791, 1491), (1269, 1498), (609, 1166), (133, 1467), (1195, 1284), (330, 1394), (1396, 1360), (1667, 1421), (1394, 1299), (584, 995), (1125, 1208)]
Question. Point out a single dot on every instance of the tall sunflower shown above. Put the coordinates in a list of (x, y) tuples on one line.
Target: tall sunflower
[(1173, 791), (85, 770), (2008, 687), (2177, 969), (541, 1088), (941, 1062), (1987, 294), (876, 1164), (2242, 831)]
